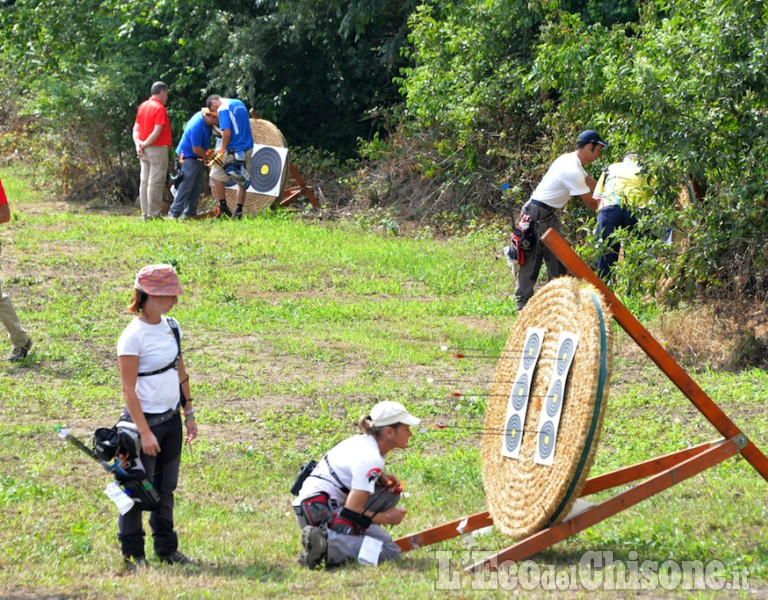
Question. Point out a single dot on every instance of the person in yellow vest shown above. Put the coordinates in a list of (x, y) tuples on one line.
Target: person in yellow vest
[(620, 190)]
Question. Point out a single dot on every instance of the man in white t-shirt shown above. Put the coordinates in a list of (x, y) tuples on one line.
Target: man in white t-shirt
[(565, 178)]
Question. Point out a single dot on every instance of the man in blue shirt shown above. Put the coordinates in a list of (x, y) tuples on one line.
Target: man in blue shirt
[(191, 150), (236, 148)]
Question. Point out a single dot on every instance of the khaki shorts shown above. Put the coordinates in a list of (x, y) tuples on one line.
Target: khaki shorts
[(220, 174)]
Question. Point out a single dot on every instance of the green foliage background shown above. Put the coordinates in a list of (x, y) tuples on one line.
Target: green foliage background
[(445, 101), (683, 83)]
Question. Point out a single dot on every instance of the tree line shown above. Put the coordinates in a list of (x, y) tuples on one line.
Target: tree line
[(455, 106)]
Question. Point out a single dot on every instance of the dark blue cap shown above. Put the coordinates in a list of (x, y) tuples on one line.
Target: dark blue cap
[(590, 136)]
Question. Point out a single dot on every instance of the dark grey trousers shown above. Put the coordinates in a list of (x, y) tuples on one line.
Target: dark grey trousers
[(163, 472), (544, 218), (189, 190)]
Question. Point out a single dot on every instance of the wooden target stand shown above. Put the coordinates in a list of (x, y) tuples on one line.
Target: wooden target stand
[(295, 191), (659, 473)]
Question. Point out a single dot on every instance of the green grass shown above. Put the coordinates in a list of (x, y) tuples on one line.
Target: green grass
[(292, 330)]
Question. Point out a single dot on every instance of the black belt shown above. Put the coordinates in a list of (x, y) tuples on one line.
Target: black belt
[(540, 203), (152, 418)]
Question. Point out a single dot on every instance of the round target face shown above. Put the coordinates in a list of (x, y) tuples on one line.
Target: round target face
[(531, 350), (564, 355), (520, 392), (536, 485), (554, 398), (547, 439), (266, 170), (513, 433)]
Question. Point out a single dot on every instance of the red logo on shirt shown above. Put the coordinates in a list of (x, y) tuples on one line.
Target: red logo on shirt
[(373, 474)]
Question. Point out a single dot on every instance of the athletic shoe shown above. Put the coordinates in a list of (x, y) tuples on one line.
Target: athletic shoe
[(133, 564), (238, 212), (177, 558), (224, 210), (315, 546), (302, 560), (19, 353)]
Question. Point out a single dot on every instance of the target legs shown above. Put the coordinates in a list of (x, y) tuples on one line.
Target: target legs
[(290, 195), (593, 485), (717, 453), (445, 531)]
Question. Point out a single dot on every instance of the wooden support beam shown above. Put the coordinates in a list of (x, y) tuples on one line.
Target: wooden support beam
[(294, 192), (641, 470), (444, 532), (566, 255), (599, 512), (600, 483)]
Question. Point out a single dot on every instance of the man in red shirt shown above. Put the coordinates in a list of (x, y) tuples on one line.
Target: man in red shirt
[(152, 137), (19, 338)]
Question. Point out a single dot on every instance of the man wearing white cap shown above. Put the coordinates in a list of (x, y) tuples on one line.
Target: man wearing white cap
[(347, 498)]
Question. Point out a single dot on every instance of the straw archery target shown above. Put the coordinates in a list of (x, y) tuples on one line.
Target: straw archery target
[(267, 165), (522, 495), (264, 134)]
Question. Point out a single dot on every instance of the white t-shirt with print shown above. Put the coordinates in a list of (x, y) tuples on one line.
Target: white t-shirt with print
[(155, 345), (356, 461), (565, 177)]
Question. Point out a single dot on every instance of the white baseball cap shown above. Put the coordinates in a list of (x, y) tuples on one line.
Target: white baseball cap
[(389, 413)]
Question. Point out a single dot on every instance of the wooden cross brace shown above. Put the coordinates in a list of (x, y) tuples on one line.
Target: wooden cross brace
[(292, 193)]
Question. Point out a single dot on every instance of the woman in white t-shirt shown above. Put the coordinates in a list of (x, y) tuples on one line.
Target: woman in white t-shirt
[(343, 503), (151, 371)]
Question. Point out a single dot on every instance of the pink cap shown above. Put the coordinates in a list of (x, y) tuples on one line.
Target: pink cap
[(158, 280)]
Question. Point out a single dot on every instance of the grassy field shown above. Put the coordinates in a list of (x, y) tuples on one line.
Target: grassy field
[(293, 329)]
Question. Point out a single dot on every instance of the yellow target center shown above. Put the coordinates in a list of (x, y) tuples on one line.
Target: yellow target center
[(546, 440), (554, 398), (513, 434), (264, 169)]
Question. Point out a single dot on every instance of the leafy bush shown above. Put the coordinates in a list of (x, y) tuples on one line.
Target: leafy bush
[(680, 82)]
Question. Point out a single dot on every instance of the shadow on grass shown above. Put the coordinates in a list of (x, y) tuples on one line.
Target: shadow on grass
[(254, 571)]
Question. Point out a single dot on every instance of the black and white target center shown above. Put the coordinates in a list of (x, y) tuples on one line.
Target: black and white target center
[(267, 165)]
